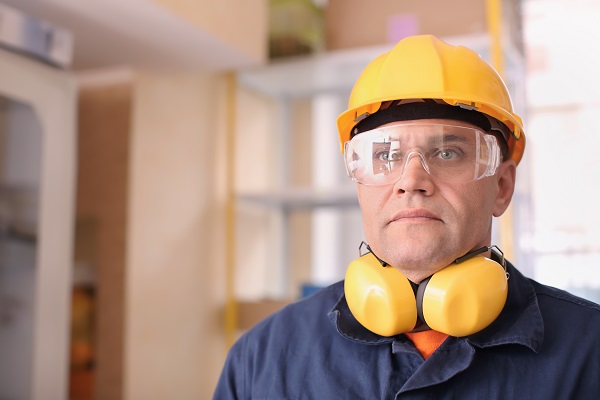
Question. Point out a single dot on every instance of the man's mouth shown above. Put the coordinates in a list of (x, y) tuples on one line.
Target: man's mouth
[(415, 215)]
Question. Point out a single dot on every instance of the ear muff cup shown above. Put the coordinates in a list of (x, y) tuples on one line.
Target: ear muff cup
[(464, 298), (380, 298), (459, 300)]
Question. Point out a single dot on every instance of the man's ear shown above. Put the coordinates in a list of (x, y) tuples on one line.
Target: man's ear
[(505, 180)]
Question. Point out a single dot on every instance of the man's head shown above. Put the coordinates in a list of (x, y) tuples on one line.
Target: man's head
[(431, 138)]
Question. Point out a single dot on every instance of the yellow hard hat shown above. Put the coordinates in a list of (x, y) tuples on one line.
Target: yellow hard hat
[(424, 67)]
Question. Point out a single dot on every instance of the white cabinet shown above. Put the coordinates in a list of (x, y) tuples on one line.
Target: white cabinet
[(37, 175)]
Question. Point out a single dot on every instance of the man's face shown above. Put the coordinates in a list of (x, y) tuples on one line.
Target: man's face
[(420, 224)]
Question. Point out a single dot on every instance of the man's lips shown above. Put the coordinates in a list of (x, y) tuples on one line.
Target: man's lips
[(414, 214)]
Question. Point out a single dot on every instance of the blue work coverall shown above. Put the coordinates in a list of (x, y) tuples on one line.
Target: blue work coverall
[(544, 345)]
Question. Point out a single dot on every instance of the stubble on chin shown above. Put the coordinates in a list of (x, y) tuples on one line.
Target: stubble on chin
[(413, 252)]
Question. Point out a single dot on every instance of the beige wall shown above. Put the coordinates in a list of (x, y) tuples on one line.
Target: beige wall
[(174, 344)]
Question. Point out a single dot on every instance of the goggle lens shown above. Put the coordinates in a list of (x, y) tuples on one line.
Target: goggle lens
[(448, 153)]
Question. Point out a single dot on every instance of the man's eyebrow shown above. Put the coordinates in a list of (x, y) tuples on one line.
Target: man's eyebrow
[(450, 138)]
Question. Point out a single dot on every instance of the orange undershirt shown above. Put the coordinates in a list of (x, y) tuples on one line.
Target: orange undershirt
[(427, 341)]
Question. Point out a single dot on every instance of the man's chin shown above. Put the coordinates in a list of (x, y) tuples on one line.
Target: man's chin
[(418, 258)]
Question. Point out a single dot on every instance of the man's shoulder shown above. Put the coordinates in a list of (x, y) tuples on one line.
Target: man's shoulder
[(321, 301), (300, 316), (554, 295), (562, 308)]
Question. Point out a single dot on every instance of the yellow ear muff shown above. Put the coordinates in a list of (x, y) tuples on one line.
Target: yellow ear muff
[(464, 298), (380, 298)]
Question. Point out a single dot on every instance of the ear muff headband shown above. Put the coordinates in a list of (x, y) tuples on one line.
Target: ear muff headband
[(459, 300)]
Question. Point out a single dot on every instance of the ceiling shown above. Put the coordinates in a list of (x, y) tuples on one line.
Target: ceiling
[(134, 33)]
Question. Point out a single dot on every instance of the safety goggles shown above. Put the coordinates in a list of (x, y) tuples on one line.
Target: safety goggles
[(448, 153)]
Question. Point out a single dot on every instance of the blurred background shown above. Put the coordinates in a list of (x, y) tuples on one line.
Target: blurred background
[(170, 171)]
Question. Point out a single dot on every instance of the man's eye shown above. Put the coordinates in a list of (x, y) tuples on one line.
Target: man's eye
[(447, 154), (388, 156)]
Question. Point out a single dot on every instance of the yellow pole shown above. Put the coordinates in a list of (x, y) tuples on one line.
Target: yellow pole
[(231, 311), (494, 23)]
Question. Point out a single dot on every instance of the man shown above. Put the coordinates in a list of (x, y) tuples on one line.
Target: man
[(432, 309)]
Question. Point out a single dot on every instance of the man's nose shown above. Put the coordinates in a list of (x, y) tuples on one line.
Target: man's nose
[(416, 176)]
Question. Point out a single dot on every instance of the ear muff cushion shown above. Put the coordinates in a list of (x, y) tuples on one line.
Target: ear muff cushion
[(380, 298), (464, 298)]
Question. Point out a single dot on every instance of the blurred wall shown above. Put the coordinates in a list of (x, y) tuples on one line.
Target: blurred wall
[(175, 252), (150, 193)]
